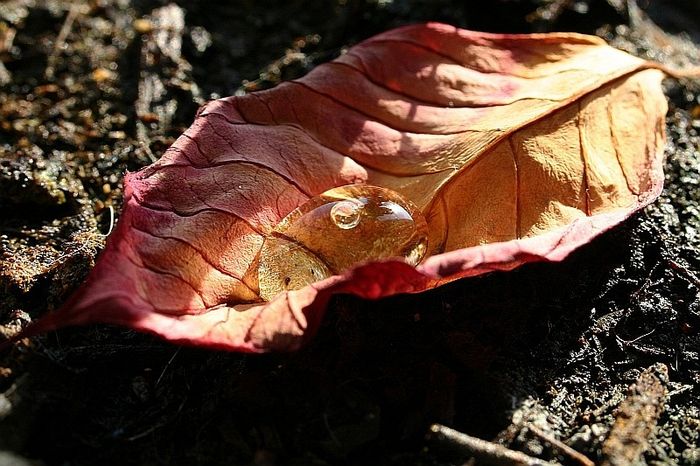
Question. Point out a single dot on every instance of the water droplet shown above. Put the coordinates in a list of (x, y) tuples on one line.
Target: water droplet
[(337, 230), (346, 214), (285, 265)]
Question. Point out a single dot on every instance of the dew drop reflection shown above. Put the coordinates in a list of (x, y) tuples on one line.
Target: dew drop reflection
[(337, 230)]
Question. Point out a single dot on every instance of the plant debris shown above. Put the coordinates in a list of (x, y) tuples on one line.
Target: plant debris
[(636, 418)]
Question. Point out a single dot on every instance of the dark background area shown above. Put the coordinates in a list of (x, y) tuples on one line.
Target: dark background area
[(87, 93)]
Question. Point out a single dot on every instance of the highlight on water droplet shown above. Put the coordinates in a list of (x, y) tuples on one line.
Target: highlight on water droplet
[(346, 214), (339, 229)]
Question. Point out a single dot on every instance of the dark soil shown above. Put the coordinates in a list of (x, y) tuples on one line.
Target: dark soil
[(550, 345)]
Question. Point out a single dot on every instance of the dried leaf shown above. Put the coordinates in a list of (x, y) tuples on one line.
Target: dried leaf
[(516, 148)]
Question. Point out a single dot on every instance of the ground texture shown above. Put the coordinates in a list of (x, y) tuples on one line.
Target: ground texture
[(601, 351)]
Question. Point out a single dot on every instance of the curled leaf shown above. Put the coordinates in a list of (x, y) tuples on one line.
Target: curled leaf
[(515, 148)]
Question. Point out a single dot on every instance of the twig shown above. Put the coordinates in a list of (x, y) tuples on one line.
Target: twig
[(636, 418), (111, 220), (679, 391), (561, 446), (549, 12), (624, 342), (60, 40), (690, 276), (172, 358), (488, 453)]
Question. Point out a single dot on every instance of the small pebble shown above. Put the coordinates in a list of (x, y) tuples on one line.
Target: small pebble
[(143, 26)]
